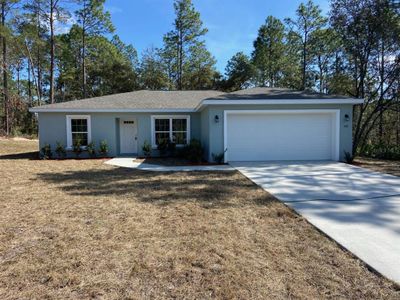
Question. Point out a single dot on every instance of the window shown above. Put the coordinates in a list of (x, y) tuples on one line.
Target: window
[(78, 128), (173, 128)]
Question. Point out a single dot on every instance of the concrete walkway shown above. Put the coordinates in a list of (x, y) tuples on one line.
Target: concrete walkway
[(358, 208), (129, 162)]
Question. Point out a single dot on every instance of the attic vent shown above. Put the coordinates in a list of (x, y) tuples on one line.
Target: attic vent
[(129, 122)]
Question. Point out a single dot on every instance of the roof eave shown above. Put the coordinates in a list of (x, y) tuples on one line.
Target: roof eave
[(108, 110), (353, 101), (199, 107)]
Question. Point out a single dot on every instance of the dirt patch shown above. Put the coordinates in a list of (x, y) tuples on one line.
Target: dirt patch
[(18, 139), (379, 165), (83, 229)]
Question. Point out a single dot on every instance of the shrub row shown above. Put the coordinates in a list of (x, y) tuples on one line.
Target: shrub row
[(61, 152), (382, 151), (193, 151)]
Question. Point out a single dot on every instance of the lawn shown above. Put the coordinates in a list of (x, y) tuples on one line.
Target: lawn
[(82, 229)]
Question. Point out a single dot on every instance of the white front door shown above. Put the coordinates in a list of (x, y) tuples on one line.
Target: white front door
[(128, 136)]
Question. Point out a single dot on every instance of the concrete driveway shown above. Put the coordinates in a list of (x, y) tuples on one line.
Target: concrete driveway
[(358, 208)]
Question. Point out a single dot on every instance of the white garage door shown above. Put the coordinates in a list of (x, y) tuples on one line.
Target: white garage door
[(281, 135)]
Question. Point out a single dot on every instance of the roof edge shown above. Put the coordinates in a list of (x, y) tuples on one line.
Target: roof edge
[(203, 103), (38, 109), (209, 101)]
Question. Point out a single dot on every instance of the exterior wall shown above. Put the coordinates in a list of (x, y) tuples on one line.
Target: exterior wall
[(205, 132), (216, 130), (105, 126)]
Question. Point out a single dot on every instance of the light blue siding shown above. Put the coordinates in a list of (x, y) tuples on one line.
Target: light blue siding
[(216, 130), (105, 126)]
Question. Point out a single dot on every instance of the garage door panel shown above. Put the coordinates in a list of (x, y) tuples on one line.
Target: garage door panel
[(280, 136)]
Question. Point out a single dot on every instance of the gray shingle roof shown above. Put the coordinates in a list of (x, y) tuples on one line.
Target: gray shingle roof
[(275, 93), (139, 100), (177, 100)]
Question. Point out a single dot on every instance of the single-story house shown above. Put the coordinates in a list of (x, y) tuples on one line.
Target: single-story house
[(258, 124)]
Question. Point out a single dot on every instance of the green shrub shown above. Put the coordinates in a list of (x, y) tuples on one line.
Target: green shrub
[(146, 148), (194, 151), (381, 151), (348, 157), (162, 146), (91, 149), (46, 151), (171, 147), (60, 150), (103, 149), (219, 158), (77, 147)]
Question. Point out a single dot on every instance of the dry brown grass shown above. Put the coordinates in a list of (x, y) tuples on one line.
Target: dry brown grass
[(82, 229), (379, 165)]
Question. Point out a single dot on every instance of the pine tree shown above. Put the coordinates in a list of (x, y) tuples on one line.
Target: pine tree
[(269, 51), (93, 21), (240, 72), (309, 19), (183, 44), (153, 74)]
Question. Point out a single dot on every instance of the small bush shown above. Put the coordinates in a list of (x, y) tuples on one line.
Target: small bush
[(171, 147), (77, 147), (46, 151), (91, 149), (103, 149), (381, 151), (219, 158), (348, 157), (194, 151), (60, 150), (146, 148), (162, 146)]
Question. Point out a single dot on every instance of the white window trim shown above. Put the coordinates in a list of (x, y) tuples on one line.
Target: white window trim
[(69, 129), (170, 118)]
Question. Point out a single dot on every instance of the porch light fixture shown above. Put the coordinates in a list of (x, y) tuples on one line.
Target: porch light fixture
[(346, 118), (216, 119)]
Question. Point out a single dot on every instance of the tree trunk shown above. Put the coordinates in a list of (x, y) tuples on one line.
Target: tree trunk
[(382, 80), (321, 82), (33, 74), (398, 125), (29, 85), (18, 81), (84, 64), (38, 66), (5, 69), (52, 49), (304, 62), (180, 59)]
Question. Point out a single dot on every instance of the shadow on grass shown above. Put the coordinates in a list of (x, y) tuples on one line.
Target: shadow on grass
[(211, 189), (25, 155)]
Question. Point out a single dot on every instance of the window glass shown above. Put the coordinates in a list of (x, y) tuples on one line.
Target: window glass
[(79, 131), (79, 125), (161, 137), (179, 124), (179, 138), (162, 125), (174, 129), (82, 137)]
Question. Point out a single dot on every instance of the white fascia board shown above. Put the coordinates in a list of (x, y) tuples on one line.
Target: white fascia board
[(119, 110), (353, 101)]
